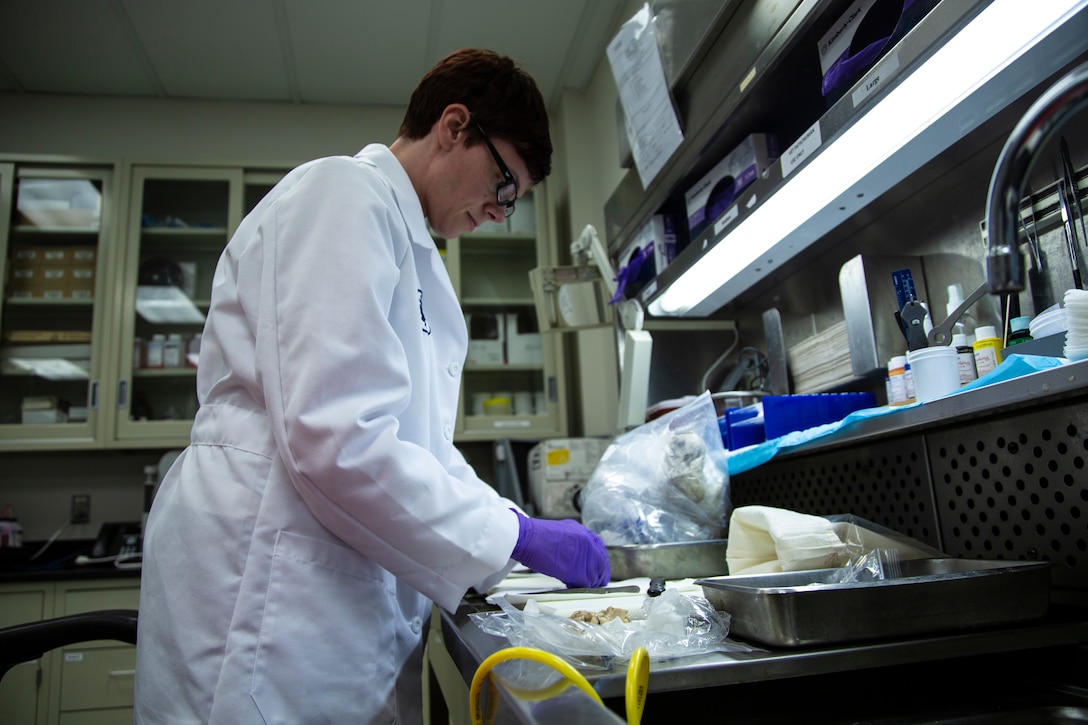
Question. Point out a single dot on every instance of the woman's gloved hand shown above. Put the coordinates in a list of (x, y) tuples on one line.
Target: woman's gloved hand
[(565, 550)]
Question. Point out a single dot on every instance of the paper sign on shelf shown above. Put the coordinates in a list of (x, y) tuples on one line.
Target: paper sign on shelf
[(653, 129)]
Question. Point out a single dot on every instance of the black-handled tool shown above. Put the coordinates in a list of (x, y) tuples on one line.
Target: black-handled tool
[(656, 588), (1070, 233), (1071, 188), (914, 315)]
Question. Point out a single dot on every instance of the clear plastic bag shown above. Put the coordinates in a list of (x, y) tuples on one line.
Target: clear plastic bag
[(668, 626), (874, 565), (663, 482)]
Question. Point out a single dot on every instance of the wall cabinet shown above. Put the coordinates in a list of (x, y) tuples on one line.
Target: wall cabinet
[(57, 241), (513, 383), (90, 682), (179, 221), (103, 300)]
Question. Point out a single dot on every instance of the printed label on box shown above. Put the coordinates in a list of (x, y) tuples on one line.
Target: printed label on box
[(715, 192)]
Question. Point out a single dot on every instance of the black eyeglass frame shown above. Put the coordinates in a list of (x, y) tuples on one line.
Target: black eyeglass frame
[(508, 187)]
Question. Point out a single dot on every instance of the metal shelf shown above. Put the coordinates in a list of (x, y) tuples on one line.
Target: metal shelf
[(1001, 90)]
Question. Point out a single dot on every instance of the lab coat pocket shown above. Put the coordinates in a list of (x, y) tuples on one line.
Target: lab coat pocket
[(325, 635)]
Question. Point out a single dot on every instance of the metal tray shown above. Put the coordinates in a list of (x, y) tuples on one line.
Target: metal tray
[(680, 560), (801, 608)]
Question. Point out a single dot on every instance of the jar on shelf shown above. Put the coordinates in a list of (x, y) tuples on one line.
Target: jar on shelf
[(171, 351), (153, 352), (139, 353)]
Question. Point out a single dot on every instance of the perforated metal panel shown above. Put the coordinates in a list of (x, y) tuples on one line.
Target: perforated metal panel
[(1011, 486), (886, 483), (1017, 488)]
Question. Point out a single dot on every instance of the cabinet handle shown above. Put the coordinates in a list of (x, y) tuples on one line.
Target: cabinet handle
[(122, 393), (122, 673), (93, 403)]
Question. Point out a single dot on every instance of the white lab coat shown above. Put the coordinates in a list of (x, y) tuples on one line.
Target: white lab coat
[(294, 547)]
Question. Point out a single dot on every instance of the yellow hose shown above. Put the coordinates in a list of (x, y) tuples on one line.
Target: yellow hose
[(638, 672)]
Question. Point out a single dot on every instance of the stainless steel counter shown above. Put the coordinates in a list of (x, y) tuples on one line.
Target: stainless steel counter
[(738, 681), (1033, 390), (913, 471)]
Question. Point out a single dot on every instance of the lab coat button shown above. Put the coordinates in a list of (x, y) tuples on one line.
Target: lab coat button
[(417, 625), (447, 431), (453, 368)]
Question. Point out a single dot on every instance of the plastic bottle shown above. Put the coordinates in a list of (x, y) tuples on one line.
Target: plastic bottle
[(138, 349), (965, 355), (171, 351), (897, 384), (966, 324), (1021, 330), (908, 381), (987, 347), (153, 352)]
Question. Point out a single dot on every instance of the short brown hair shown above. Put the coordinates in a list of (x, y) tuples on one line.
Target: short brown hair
[(501, 96)]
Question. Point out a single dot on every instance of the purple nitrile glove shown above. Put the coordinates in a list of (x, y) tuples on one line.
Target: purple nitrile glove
[(565, 550)]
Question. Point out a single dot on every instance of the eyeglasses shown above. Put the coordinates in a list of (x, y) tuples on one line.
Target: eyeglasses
[(507, 191)]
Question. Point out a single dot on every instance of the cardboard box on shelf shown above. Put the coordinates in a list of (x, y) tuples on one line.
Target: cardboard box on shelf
[(52, 272), (24, 281), (42, 409), (81, 282), (486, 338), (713, 194), (524, 344), (84, 256), (55, 282), (56, 256)]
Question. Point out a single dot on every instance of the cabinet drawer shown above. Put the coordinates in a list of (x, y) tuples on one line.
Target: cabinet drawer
[(91, 600), (113, 716), (21, 607), (97, 678)]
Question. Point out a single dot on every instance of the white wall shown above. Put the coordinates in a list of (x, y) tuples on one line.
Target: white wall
[(586, 134)]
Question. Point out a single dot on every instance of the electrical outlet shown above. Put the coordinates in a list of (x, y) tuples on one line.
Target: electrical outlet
[(81, 508)]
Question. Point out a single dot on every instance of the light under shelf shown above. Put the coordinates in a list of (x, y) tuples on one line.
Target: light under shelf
[(1000, 54)]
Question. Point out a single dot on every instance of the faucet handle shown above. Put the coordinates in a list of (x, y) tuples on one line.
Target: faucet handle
[(942, 334)]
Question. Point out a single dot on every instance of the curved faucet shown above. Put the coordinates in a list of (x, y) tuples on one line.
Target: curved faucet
[(1004, 260)]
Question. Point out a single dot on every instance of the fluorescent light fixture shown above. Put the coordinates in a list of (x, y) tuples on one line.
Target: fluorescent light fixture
[(994, 39), (159, 304)]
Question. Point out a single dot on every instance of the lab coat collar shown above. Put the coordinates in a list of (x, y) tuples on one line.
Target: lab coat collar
[(380, 157)]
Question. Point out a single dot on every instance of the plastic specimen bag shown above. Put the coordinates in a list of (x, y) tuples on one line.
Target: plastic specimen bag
[(663, 482)]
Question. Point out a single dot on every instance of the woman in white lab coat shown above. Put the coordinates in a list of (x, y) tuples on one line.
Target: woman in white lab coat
[(295, 547)]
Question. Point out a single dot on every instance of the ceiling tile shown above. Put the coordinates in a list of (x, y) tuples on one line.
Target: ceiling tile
[(364, 52), (360, 52), (213, 49), (70, 46)]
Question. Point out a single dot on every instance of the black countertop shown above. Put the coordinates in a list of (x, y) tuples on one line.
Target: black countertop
[(57, 562)]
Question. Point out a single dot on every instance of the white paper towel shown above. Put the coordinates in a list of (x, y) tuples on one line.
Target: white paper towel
[(766, 539)]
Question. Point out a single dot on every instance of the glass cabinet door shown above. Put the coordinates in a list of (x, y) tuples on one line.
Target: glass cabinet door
[(179, 221), (510, 383), (54, 237)]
